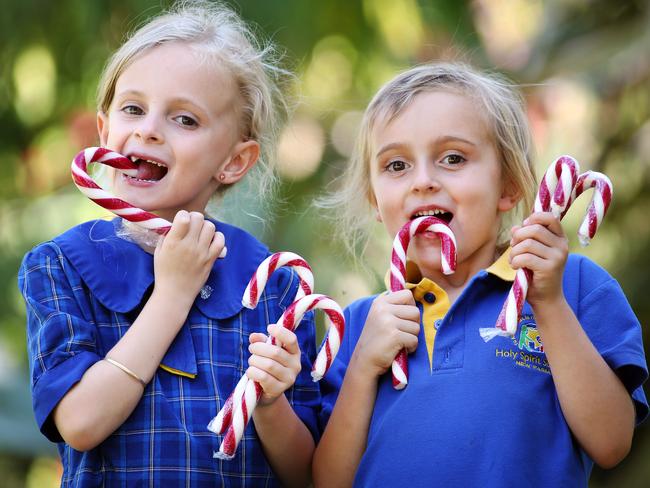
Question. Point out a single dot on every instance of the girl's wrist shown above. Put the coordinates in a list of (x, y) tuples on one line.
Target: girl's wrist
[(363, 369), (269, 410), (268, 403), (176, 306), (551, 307)]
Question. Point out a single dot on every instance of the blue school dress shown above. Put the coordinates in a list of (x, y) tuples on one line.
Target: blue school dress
[(83, 290)]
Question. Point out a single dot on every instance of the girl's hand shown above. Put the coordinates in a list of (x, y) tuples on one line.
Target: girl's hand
[(184, 257), (274, 367), (541, 246), (393, 324)]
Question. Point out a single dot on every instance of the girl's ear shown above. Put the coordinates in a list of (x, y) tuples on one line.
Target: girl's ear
[(510, 195), (373, 203), (102, 128), (244, 156)]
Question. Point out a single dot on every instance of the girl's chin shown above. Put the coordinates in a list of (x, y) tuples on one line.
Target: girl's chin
[(429, 268)]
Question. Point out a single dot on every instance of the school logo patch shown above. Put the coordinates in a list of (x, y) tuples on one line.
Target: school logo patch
[(529, 339), (527, 350)]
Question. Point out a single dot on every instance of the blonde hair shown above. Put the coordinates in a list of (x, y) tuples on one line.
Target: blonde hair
[(221, 34), (505, 115)]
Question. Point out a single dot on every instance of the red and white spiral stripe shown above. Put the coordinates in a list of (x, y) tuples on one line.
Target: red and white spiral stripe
[(554, 194), (250, 299), (558, 190), (257, 283), (598, 206), (401, 243), (104, 199), (238, 412)]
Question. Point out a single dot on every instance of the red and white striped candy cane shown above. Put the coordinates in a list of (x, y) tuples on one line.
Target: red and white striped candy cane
[(107, 200), (556, 199), (257, 283), (290, 319), (251, 297), (104, 199), (223, 419), (598, 206), (555, 189), (402, 240)]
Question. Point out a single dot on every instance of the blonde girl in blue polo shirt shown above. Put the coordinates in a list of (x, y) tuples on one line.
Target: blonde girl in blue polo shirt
[(537, 409), (135, 345)]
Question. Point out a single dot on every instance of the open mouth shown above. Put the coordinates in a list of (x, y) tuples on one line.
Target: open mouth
[(438, 213), (148, 170)]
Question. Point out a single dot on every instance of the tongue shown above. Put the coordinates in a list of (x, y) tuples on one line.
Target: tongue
[(148, 171)]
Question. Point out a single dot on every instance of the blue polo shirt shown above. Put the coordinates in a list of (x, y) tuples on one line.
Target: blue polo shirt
[(83, 290), (487, 414)]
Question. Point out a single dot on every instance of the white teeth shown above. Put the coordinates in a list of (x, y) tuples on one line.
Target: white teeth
[(135, 158), (429, 213), (140, 179)]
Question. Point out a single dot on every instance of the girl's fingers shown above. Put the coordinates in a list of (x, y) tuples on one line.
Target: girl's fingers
[(531, 246), (285, 337), (401, 297), (196, 225), (272, 387), (406, 312), (409, 342), (272, 368), (271, 351), (535, 232), (206, 235), (257, 337), (408, 327), (262, 377), (217, 246), (180, 225), (546, 219), (530, 261)]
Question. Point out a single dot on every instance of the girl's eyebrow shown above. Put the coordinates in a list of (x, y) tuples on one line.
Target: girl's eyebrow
[(388, 147), (444, 139), (127, 93), (137, 93), (439, 140)]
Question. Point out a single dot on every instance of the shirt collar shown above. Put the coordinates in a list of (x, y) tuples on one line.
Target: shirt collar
[(500, 268), (119, 273)]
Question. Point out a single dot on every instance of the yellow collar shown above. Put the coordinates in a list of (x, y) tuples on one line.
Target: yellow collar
[(500, 268)]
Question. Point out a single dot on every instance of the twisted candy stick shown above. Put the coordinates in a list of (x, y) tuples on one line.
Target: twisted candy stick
[(104, 199), (558, 190), (257, 283), (398, 272), (598, 206), (252, 294), (290, 319)]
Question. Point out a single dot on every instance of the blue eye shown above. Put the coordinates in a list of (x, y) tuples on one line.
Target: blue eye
[(396, 166), (453, 159), (186, 121)]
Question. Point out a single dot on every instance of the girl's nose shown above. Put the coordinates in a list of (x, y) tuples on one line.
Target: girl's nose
[(424, 178), (148, 130)]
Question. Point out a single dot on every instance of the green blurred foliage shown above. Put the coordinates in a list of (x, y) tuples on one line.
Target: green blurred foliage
[(585, 70)]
